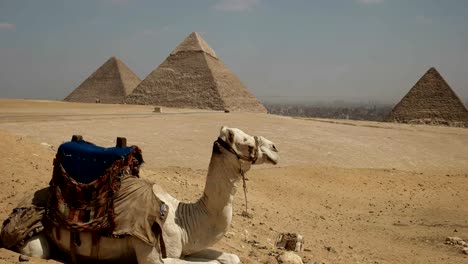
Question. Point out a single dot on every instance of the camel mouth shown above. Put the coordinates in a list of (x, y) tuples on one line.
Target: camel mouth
[(274, 161)]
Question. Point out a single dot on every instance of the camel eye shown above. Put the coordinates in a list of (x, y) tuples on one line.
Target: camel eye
[(274, 148)]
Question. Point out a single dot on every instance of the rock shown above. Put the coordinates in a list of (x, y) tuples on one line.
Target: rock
[(245, 235), (289, 257), (23, 258), (452, 240), (229, 235), (330, 249), (465, 250), (290, 241)]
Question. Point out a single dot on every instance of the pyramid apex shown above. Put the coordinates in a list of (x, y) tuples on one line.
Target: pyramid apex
[(111, 60), (194, 42)]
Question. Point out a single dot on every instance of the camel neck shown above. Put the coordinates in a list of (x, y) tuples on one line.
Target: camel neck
[(213, 210), (222, 181)]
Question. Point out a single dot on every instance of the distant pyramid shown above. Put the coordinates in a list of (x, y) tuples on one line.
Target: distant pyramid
[(193, 77), (430, 101), (110, 83)]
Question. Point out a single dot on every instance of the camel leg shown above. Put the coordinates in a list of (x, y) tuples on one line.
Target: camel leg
[(218, 256), (37, 246), (145, 253), (189, 261)]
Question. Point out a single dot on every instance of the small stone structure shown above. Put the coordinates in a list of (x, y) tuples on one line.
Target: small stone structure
[(290, 241)]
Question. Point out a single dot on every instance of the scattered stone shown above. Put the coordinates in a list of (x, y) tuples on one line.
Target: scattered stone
[(289, 257), (465, 250), (453, 240), (246, 214), (330, 249), (23, 258), (245, 235), (229, 235), (290, 241)]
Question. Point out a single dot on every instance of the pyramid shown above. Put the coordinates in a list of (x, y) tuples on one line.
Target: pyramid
[(192, 76), (430, 101), (110, 83)]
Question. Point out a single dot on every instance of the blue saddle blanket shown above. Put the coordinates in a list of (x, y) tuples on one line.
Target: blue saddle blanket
[(85, 162)]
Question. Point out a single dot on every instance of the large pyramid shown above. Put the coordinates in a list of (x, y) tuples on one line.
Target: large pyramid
[(194, 77), (110, 83), (431, 101)]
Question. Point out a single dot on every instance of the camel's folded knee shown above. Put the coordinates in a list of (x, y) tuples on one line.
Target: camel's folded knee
[(36, 246), (220, 257)]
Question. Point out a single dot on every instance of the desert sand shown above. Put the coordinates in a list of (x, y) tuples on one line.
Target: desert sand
[(359, 192)]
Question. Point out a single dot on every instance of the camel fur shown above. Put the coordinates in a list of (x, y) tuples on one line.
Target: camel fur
[(190, 228)]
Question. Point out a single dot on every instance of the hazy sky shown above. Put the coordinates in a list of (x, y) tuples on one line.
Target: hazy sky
[(317, 50)]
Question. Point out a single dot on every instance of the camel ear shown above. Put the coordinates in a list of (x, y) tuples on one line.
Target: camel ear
[(226, 134)]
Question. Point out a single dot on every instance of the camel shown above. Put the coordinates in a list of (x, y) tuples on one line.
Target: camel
[(190, 228)]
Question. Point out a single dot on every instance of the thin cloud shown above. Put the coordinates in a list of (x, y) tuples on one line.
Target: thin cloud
[(7, 26), (236, 5), (370, 2)]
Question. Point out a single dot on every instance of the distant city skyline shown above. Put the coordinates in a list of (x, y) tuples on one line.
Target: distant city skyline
[(293, 51)]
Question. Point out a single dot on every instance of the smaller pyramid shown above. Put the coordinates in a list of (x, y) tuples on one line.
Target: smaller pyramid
[(430, 101), (192, 76), (109, 84)]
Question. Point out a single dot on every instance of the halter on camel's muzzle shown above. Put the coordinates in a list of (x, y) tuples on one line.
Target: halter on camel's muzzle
[(228, 147)]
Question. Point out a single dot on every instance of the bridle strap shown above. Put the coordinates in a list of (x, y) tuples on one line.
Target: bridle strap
[(228, 147)]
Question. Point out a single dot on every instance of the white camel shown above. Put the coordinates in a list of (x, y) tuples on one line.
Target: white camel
[(190, 228)]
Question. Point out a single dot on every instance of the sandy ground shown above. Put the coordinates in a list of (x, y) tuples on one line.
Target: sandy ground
[(359, 192)]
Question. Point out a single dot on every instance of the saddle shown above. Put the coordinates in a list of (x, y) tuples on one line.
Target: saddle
[(84, 180), (93, 189)]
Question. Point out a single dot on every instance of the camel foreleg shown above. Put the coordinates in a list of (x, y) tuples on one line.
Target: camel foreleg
[(214, 255), (37, 246), (145, 253)]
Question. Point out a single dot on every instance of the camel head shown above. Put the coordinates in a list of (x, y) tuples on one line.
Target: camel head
[(247, 148)]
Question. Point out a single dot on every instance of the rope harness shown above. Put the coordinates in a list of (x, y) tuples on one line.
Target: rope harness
[(240, 157)]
